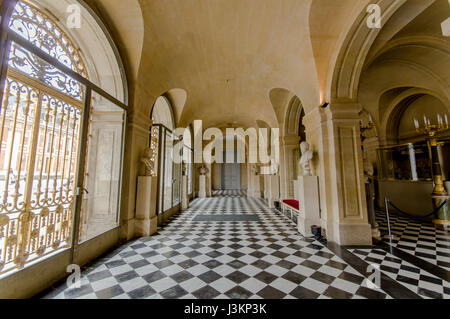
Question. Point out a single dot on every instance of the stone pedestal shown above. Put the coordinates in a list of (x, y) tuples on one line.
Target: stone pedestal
[(256, 182), (273, 190), (289, 146), (266, 186), (296, 190), (202, 186), (208, 186), (184, 193), (308, 197), (146, 220)]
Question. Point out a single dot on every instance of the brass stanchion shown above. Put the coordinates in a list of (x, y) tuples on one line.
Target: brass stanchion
[(390, 236)]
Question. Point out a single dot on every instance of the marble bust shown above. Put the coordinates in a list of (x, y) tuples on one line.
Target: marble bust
[(255, 169), (147, 162), (276, 169), (305, 159), (203, 170)]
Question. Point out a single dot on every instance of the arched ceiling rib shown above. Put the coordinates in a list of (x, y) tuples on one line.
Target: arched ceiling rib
[(126, 20), (229, 55)]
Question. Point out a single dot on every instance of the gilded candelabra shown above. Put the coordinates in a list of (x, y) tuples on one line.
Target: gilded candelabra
[(440, 194)]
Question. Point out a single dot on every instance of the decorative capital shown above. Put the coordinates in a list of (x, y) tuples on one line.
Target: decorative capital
[(342, 111)]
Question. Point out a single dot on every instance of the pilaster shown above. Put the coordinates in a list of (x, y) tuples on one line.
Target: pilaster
[(288, 145), (137, 139), (334, 133)]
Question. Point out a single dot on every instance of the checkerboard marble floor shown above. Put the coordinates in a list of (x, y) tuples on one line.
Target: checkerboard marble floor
[(265, 259), (412, 277), (418, 238)]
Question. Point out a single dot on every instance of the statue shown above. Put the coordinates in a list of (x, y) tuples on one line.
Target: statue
[(305, 159), (184, 169), (369, 171), (203, 170), (276, 168), (255, 169), (147, 161)]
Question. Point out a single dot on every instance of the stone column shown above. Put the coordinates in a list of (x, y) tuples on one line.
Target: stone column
[(334, 134), (412, 161), (209, 181), (266, 186), (256, 186), (184, 194), (202, 186), (250, 181), (137, 139), (273, 191), (288, 145)]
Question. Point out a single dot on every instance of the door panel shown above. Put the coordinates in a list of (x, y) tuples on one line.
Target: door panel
[(102, 181), (231, 176)]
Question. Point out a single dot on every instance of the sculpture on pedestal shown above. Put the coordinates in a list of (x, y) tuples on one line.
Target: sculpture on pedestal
[(276, 170), (255, 169), (147, 162), (369, 172), (203, 170), (305, 159)]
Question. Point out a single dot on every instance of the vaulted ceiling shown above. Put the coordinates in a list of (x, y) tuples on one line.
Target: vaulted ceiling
[(241, 61)]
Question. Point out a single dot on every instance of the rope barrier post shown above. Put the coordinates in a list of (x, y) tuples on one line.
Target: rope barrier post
[(390, 236)]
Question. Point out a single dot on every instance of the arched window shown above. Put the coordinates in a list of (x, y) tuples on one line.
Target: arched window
[(47, 101), (162, 113), (169, 180), (40, 30)]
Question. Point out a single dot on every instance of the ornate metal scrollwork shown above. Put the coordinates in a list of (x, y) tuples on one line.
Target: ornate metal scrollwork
[(44, 33), (40, 121)]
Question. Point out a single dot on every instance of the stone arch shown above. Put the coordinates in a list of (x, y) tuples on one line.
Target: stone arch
[(128, 29), (347, 65), (293, 117), (395, 110), (428, 42), (103, 61), (279, 98), (162, 113), (178, 99)]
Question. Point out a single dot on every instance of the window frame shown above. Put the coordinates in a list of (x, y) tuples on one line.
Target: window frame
[(7, 37)]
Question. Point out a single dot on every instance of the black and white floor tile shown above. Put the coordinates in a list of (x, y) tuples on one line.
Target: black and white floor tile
[(232, 247), (229, 193), (412, 277), (265, 259), (418, 238)]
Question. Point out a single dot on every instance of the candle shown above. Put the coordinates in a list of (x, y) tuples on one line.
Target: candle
[(370, 119), (446, 120), (416, 123), (439, 118)]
